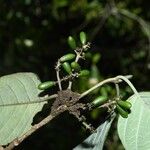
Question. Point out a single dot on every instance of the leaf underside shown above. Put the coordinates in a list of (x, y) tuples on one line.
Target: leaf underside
[(96, 140), (18, 104), (134, 131)]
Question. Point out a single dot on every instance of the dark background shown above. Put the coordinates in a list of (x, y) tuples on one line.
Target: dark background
[(33, 35)]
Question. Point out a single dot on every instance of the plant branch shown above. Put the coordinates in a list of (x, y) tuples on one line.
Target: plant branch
[(110, 80), (129, 83), (68, 77), (78, 56), (117, 90), (107, 104), (79, 52), (18, 140), (57, 74), (113, 80)]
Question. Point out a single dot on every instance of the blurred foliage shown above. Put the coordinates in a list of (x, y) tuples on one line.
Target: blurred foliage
[(33, 35)]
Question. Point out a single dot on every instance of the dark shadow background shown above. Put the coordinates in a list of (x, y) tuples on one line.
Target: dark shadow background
[(33, 35)]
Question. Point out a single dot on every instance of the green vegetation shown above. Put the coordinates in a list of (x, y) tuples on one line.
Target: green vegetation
[(34, 35)]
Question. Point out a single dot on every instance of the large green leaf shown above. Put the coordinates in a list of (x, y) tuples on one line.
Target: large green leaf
[(19, 102), (134, 131), (97, 139)]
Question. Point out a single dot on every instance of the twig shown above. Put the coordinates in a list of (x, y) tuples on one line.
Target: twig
[(110, 80), (72, 76), (18, 140), (113, 80), (57, 74), (88, 126), (76, 60), (79, 52), (124, 78), (117, 90), (107, 104)]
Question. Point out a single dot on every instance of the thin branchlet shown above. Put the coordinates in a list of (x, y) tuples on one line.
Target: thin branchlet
[(57, 68), (79, 55)]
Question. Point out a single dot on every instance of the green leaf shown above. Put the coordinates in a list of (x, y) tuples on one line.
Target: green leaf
[(134, 131), (19, 102), (97, 139)]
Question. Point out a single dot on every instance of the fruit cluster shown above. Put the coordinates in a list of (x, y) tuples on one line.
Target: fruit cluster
[(72, 69), (70, 65)]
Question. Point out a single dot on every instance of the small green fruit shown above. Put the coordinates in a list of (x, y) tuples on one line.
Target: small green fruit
[(67, 67), (83, 37), (84, 73), (103, 91), (67, 57), (124, 104), (88, 55), (121, 111), (75, 66), (46, 85), (99, 101), (96, 58), (71, 42)]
